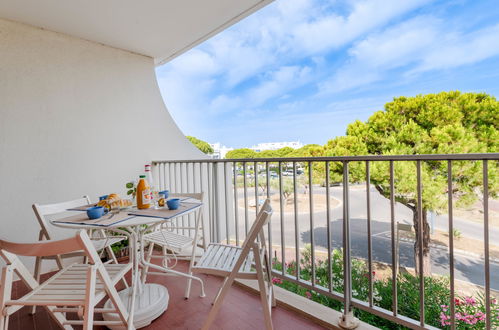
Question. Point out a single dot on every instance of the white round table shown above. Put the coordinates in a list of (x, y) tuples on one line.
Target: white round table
[(150, 299)]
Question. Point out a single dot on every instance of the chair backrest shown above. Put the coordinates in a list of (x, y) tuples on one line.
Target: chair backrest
[(199, 221), (79, 242), (44, 210), (262, 218)]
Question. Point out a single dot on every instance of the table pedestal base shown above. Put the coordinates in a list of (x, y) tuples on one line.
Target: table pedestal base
[(148, 306)]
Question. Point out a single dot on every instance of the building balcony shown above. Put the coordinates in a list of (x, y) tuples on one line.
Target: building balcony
[(355, 243)]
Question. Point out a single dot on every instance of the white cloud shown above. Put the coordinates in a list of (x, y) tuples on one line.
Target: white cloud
[(394, 47), (285, 32), (332, 31), (458, 49), (414, 46)]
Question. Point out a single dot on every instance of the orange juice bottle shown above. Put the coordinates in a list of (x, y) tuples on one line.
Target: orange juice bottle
[(143, 193)]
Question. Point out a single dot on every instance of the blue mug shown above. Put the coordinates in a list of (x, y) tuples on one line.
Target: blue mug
[(173, 203), (165, 192), (96, 212)]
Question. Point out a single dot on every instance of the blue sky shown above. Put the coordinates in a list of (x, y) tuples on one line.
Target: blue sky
[(302, 70)]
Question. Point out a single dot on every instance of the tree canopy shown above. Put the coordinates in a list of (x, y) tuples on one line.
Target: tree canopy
[(201, 145), (444, 123), (241, 153), (307, 150)]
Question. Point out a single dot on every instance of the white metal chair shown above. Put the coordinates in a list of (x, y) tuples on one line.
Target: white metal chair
[(99, 238), (250, 261), (76, 288), (184, 241)]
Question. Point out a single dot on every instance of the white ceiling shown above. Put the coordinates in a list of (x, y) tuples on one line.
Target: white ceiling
[(162, 29)]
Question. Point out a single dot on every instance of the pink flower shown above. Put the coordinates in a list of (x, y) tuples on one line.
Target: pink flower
[(308, 294), (276, 280), (470, 301)]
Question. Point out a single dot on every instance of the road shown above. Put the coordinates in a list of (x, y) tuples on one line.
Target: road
[(466, 268)]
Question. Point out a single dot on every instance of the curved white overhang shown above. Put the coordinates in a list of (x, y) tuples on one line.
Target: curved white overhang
[(161, 29)]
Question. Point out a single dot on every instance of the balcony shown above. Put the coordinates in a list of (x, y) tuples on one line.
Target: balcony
[(347, 236), (241, 310)]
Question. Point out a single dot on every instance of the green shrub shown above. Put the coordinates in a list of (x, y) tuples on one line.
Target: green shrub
[(437, 293)]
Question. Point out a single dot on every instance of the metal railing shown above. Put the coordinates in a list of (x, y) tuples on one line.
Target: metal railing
[(227, 183)]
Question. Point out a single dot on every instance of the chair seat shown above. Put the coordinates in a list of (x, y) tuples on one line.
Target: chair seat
[(220, 259), (102, 243), (169, 239), (68, 286)]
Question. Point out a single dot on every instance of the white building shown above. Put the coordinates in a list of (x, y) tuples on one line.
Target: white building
[(276, 145), (219, 150)]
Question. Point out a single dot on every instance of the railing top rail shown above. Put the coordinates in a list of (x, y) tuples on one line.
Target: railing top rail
[(443, 157)]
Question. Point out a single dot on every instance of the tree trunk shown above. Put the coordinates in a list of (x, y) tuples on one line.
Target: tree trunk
[(426, 243)]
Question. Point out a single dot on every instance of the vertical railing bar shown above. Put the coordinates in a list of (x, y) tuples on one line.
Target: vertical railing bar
[(393, 243), (194, 177), (201, 177), (206, 198), (488, 319), (255, 170), (216, 204), (179, 178), (451, 245), (174, 177), (165, 177), (171, 176), (297, 225), (281, 213), (183, 170), (347, 274), (165, 185), (236, 206), (328, 227), (160, 181), (421, 239), (245, 187), (311, 209), (210, 200), (226, 188), (188, 179), (213, 201), (177, 186), (182, 181), (190, 188), (369, 232), (269, 226)]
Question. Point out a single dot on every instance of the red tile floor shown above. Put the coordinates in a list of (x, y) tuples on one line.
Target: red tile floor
[(241, 310)]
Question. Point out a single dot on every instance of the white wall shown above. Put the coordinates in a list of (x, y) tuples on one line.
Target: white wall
[(76, 118)]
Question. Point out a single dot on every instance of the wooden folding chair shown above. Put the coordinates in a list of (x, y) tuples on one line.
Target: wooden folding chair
[(250, 261), (100, 240), (77, 288), (183, 241)]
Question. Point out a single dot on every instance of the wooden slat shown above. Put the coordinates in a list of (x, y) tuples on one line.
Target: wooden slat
[(230, 258), (217, 256)]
